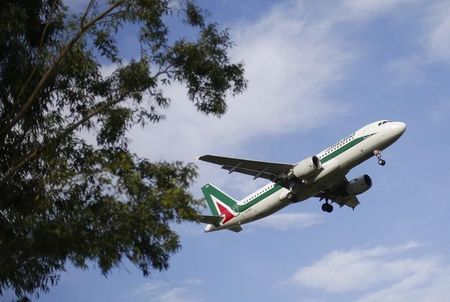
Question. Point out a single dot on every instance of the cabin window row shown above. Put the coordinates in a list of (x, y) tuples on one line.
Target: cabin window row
[(256, 195)]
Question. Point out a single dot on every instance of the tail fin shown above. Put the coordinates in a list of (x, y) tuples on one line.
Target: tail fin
[(220, 203)]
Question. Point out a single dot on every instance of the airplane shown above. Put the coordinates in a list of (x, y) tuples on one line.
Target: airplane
[(322, 176)]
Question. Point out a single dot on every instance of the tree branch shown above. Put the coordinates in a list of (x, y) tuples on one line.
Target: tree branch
[(70, 128), (165, 71), (86, 11), (41, 44), (26, 107)]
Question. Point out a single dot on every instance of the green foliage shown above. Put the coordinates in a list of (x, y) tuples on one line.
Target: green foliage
[(64, 199)]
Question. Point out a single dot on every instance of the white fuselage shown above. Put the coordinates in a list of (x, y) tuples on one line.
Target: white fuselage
[(336, 161)]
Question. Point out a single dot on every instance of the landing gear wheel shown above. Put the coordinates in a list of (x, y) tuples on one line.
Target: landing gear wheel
[(326, 207), (330, 208), (381, 162)]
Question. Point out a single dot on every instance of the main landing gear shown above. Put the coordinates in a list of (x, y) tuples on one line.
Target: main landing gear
[(326, 207), (381, 161)]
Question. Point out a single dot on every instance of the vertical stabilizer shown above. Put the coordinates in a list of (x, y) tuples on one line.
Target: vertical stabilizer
[(220, 203)]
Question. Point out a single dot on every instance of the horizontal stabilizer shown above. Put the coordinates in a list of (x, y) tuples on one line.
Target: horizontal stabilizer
[(209, 219), (236, 229)]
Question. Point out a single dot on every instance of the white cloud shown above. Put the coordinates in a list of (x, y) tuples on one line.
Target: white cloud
[(166, 292), (76, 5), (436, 290), (437, 31), (355, 270), (291, 65), (177, 294), (440, 112), (431, 46), (361, 9), (406, 70), (293, 60), (382, 273), (289, 221), (147, 289), (427, 283)]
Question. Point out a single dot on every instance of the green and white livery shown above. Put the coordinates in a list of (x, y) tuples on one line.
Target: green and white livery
[(322, 175)]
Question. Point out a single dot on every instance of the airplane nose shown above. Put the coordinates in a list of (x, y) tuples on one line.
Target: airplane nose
[(399, 128)]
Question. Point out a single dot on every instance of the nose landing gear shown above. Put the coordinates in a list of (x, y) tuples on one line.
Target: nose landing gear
[(381, 161)]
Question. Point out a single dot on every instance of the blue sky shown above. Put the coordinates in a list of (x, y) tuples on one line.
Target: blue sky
[(317, 70)]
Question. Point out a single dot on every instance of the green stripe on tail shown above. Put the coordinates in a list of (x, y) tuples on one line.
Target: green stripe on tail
[(210, 190)]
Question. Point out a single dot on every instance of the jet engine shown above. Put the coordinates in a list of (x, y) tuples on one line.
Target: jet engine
[(306, 167), (359, 185)]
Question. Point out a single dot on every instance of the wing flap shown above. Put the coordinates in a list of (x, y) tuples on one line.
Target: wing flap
[(350, 201), (256, 174)]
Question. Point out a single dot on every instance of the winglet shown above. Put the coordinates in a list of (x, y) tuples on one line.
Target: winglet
[(202, 157)]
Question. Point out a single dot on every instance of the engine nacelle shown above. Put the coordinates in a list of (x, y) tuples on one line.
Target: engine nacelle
[(359, 185), (307, 167)]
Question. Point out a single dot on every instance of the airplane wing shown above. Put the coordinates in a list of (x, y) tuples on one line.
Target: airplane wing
[(337, 194), (268, 170)]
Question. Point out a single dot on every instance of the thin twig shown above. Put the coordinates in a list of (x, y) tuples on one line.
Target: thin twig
[(70, 128), (41, 44), (86, 12), (26, 107)]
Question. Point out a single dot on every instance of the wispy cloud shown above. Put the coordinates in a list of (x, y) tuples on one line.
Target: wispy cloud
[(440, 112), (407, 69), (381, 273), (76, 5), (292, 64), (168, 292), (289, 221), (293, 61), (343, 271), (426, 284), (437, 31), (431, 44), (364, 9)]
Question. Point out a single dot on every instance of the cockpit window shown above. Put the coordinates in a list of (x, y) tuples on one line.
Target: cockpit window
[(383, 122)]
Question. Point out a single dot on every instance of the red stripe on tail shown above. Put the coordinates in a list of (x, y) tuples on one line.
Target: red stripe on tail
[(227, 214)]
